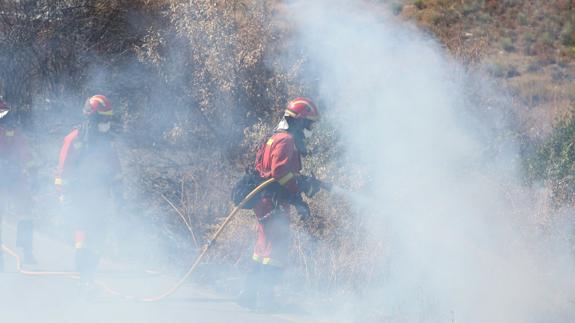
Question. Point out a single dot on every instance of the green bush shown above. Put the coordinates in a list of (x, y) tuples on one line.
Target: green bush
[(472, 6), (546, 38), (419, 4), (567, 35), (396, 8), (553, 160), (522, 19), (507, 44)]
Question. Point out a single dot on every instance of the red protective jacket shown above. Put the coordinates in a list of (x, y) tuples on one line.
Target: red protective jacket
[(15, 159), (91, 166), (280, 159)]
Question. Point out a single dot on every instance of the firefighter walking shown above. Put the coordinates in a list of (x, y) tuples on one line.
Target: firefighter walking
[(279, 158), (88, 176), (16, 168)]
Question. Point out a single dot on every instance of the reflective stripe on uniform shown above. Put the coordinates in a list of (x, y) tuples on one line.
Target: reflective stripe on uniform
[(106, 113), (58, 181), (79, 239), (265, 260), (290, 113), (286, 178), (270, 142)]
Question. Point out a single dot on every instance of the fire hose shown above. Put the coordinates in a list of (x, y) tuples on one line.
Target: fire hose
[(179, 283)]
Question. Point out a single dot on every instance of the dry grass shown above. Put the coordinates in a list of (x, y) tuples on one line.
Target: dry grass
[(193, 86)]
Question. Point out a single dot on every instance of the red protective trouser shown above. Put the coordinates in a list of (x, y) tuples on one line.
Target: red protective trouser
[(272, 245)]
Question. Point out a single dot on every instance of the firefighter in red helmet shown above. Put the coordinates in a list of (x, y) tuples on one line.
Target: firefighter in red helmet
[(16, 168), (88, 176), (279, 158)]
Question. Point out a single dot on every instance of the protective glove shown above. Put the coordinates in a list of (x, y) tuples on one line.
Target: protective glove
[(301, 207), (303, 211), (309, 185)]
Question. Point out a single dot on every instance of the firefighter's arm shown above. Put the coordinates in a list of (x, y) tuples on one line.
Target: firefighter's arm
[(63, 157), (282, 166), (309, 185)]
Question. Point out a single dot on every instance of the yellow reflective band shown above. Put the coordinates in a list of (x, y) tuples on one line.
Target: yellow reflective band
[(9, 133), (270, 142), (290, 113), (286, 178), (265, 260), (106, 113), (292, 103), (98, 99), (58, 181)]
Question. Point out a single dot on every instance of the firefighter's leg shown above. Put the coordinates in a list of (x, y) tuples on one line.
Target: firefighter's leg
[(248, 295), (25, 240), (86, 257), (270, 278), (25, 226)]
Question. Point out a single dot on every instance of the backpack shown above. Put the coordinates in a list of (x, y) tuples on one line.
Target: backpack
[(244, 186), (249, 181)]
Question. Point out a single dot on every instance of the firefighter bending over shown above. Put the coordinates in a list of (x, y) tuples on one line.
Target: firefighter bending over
[(88, 176), (279, 158), (16, 169)]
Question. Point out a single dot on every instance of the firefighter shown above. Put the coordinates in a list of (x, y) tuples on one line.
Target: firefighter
[(16, 168), (279, 158), (88, 176)]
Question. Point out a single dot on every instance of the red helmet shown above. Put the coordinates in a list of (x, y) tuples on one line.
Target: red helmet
[(4, 108), (302, 108), (98, 104)]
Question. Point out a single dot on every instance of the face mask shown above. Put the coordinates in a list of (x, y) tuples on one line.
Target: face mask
[(104, 127), (307, 133)]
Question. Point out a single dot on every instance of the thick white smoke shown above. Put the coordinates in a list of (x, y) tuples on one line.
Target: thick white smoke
[(459, 249)]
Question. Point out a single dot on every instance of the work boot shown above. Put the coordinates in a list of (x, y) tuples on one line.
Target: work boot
[(89, 290), (86, 261), (267, 303), (247, 299)]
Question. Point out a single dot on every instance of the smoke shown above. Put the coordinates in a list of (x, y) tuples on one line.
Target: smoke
[(451, 208)]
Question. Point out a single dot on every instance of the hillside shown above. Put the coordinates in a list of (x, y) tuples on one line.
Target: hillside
[(446, 129), (528, 45)]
